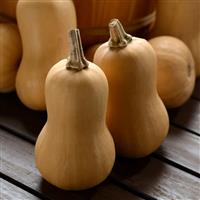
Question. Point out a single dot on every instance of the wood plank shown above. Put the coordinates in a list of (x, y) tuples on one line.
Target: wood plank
[(172, 152), (183, 148), (173, 147), (111, 191), (170, 149), (17, 158), (9, 191), (196, 92), (157, 179), (14, 115), (188, 116), (146, 175)]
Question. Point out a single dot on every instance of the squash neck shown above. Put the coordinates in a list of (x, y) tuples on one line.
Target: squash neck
[(118, 37), (76, 60)]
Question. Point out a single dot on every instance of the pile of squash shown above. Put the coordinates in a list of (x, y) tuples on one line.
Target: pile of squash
[(113, 98)]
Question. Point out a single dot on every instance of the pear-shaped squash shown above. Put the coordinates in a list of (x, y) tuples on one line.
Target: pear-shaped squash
[(75, 150), (43, 27), (176, 71), (136, 116), (181, 19), (10, 55)]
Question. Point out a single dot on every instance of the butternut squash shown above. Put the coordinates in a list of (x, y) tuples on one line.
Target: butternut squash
[(93, 15), (176, 72), (181, 19), (10, 55), (136, 116), (75, 149), (43, 27)]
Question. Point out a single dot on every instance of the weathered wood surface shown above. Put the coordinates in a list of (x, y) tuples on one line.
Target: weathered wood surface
[(28, 123), (171, 173), (16, 117), (9, 191), (158, 180), (148, 175), (188, 116), (173, 147), (183, 148), (17, 158)]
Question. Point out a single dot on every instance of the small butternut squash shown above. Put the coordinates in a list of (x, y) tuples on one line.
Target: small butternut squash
[(181, 19), (136, 116), (75, 135), (43, 27), (10, 55), (176, 71)]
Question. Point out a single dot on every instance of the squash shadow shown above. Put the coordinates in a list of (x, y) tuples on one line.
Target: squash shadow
[(186, 116), (97, 192), (18, 118), (144, 173)]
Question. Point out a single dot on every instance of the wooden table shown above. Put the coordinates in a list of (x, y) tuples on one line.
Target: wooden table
[(171, 173)]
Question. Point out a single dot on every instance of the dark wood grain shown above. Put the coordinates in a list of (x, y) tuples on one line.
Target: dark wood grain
[(147, 175), (111, 191), (196, 93), (183, 148), (15, 116), (17, 158), (9, 191), (188, 116), (28, 123), (173, 147), (157, 179)]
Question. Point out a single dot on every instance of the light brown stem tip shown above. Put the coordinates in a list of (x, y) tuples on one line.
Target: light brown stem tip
[(77, 60)]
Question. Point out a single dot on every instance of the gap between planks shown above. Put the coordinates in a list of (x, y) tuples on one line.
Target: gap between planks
[(156, 155), (22, 186), (9, 191), (134, 191), (135, 194)]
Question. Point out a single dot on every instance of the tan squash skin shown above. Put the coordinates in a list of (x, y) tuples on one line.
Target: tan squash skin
[(43, 27), (176, 71), (10, 55), (181, 19), (75, 150), (136, 116)]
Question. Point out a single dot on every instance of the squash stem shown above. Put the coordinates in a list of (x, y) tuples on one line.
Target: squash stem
[(118, 37), (77, 60)]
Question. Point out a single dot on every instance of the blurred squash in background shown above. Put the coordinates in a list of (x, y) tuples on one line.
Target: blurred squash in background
[(180, 18), (10, 55)]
